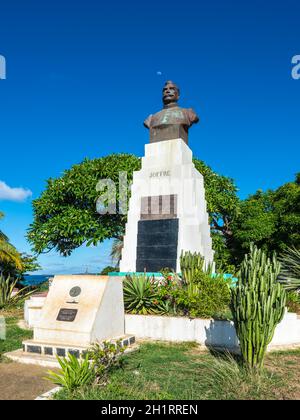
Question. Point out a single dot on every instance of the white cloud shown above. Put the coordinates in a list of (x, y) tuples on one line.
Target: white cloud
[(13, 194)]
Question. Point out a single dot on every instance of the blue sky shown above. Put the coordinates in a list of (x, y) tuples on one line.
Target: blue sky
[(83, 75)]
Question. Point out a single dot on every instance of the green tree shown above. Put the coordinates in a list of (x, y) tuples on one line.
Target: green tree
[(30, 263), (270, 219), (108, 269), (223, 208), (65, 215)]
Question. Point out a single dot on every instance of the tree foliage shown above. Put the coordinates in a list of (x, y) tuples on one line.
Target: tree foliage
[(223, 208), (65, 215), (269, 219), (30, 263)]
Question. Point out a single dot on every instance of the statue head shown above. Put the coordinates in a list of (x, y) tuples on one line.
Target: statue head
[(170, 93)]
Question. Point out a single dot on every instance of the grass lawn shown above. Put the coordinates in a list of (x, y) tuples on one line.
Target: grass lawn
[(181, 371), (14, 334)]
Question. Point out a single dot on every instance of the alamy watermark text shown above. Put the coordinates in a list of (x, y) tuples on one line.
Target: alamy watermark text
[(296, 67)]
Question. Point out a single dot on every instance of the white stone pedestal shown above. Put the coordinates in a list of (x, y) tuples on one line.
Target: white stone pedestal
[(168, 169), (95, 303), (79, 311)]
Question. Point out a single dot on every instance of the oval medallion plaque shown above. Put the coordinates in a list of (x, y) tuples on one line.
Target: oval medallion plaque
[(75, 291)]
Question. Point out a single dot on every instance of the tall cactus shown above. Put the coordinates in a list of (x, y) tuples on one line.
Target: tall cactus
[(258, 305), (190, 264)]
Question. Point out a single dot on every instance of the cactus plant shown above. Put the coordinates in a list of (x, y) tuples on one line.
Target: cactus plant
[(258, 305), (190, 265)]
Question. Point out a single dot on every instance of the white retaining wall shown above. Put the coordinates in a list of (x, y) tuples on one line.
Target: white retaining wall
[(205, 332), (177, 329), (33, 310)]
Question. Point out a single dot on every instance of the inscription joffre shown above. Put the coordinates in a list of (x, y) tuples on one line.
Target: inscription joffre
[(159, 174)]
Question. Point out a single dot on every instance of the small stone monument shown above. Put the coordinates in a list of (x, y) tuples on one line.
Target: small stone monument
[(167, 209), (79, 310)]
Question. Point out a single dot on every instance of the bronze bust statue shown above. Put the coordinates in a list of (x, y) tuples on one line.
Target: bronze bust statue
[(172, 122)]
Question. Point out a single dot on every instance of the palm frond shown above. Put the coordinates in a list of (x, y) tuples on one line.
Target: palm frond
[(9, 255), (116, 251)]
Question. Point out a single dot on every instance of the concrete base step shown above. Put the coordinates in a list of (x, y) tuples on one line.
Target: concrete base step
[(45, 354), (62, 349), (32, 359)]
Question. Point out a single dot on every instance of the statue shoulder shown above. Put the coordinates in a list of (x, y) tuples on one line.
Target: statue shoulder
[(192, 116), (147, 122)]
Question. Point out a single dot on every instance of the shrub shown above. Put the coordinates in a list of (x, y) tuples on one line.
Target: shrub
[(74, 373), (204, 296), (258, 304), (169, 290), (142, 296), (105, 357)]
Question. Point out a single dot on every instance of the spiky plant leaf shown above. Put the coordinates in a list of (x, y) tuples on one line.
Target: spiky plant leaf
[(290, 271)]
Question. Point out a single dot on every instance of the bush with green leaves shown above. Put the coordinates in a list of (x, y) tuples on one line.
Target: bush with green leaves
[(74, 373), (104, 358), (9, 297), (200, 295), (142, 296), (204, 297), (258, 305)]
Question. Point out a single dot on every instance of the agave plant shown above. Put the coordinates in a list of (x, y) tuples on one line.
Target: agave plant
[(290, 271), (7, 297), (73, 374), (141, 296)]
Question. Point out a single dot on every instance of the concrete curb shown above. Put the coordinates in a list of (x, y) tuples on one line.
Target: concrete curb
[(47, 396)]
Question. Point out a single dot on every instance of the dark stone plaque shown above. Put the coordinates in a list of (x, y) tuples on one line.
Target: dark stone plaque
[(74, 352), (34, 349), (157, 244), (48, 351), (67, 315), (61, 352)]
